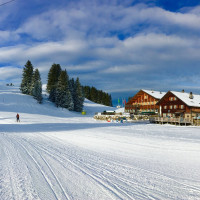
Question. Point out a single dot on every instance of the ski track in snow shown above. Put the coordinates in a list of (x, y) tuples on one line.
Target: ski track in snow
[(55, 154)]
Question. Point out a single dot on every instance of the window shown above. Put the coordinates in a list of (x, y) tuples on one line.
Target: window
[(171, 107), (172, 98), (165, 107), (175, 106), (182, 106)]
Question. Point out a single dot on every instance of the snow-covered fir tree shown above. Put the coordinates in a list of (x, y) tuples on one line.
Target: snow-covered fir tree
[(37, 86), (27, 78), (52, 94), (35, 77), (79, 97), (69, 100), (63, 92), (63, 96)]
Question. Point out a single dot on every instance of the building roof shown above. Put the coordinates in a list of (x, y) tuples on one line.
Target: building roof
[(155, 94), (195, 102)]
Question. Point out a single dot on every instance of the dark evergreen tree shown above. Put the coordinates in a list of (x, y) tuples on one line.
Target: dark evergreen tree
[(100, 96), (107, 99), (37, 86), (37, 91), (72, 88), (94, 94), (110, 103), (35, 77), (27, 78), (79, 97), (97, 96), (52, 94), (69, 101), (87, 92), (63, 96), (52, 81), (61, 89)]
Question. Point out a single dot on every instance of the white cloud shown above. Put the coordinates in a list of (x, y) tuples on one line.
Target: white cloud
[(8, 36), (9, 72), (142, 52), (124, 69), (83, 20), (83, 38)]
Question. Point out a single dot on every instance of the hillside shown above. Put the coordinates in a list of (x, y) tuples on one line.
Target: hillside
[(12, 102), (56, 154)]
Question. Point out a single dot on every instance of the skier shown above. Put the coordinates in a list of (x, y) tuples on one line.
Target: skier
[(17, 117)]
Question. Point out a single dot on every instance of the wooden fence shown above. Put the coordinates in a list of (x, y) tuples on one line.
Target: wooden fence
[(175, 121)]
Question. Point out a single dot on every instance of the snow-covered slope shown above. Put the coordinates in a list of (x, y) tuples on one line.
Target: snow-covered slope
[(13, 102), (11, 99), (91, 107), (56, 154)]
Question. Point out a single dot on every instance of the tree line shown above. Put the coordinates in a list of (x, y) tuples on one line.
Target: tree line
[(97, 96), (64, 91)]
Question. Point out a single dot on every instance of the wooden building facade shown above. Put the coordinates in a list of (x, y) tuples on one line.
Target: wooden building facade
[(144, 102), (179, 104)]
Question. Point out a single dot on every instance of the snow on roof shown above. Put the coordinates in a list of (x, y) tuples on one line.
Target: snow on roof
[(195, 102), (155, 94)]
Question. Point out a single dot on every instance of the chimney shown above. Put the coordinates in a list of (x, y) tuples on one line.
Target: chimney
[(183, 91), (191, 95)]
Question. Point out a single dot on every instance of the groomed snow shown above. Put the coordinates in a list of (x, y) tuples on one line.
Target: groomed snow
[(57, 154)]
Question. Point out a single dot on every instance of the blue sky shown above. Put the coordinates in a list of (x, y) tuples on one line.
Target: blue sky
[(119, 46)]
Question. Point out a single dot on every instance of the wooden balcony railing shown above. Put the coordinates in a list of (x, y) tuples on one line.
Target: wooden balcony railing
[(172, 120)]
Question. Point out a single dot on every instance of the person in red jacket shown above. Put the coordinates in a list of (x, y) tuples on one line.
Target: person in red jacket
[(17, 117)]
